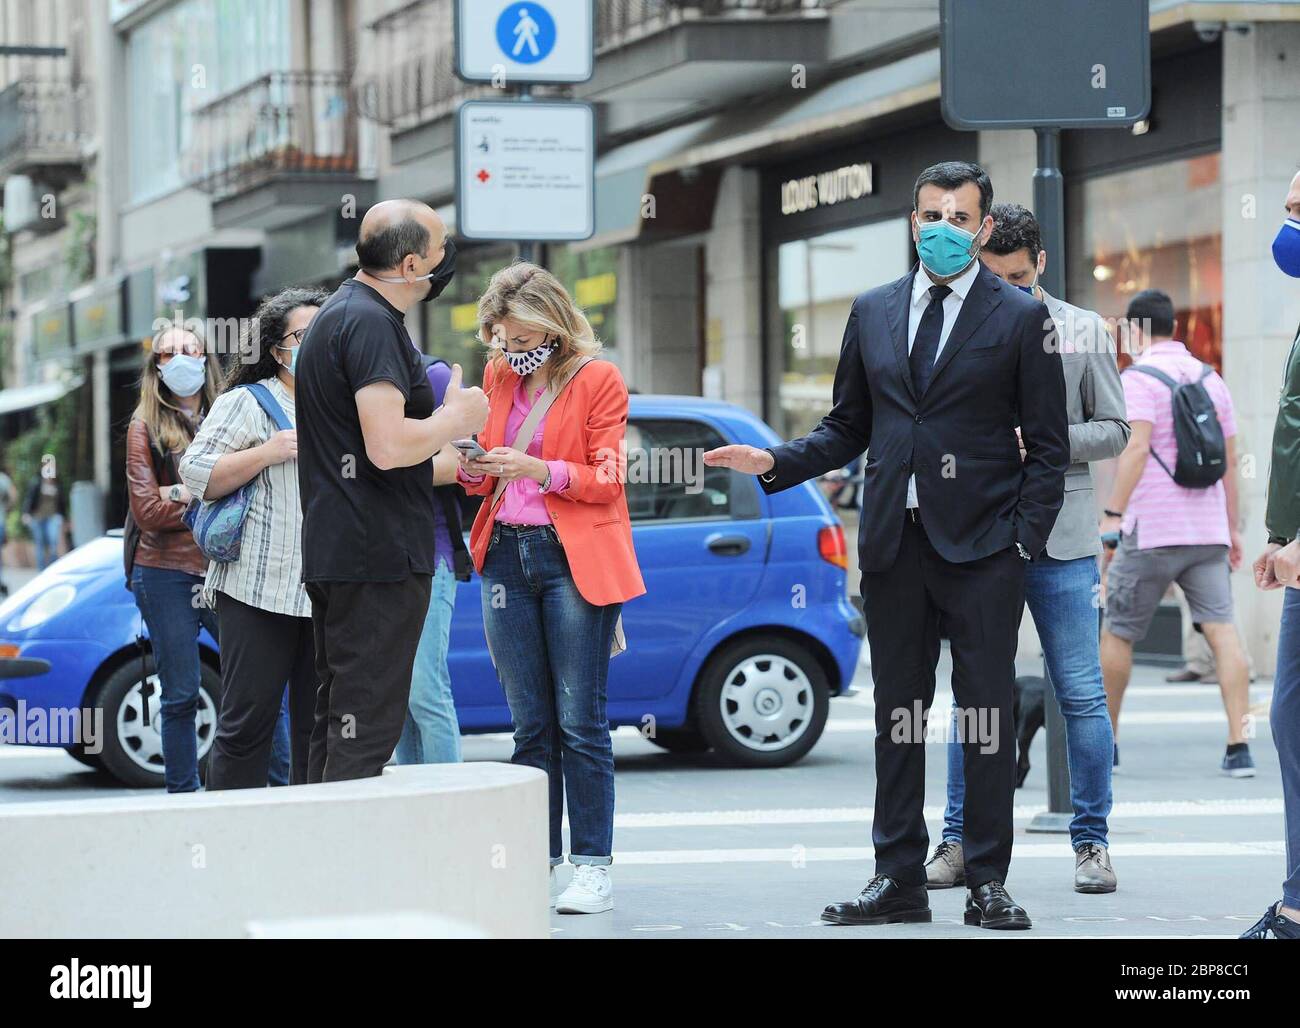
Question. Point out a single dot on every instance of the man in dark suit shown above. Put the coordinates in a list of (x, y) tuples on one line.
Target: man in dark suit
[(936, 372)]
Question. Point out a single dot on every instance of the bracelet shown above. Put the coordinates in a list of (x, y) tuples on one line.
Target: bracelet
[(1113, 513), (546, 484)]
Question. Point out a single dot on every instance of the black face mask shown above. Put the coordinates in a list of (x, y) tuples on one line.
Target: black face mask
[(441, 276)]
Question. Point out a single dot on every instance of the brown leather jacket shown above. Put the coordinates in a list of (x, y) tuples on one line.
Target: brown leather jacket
[(165, 541)]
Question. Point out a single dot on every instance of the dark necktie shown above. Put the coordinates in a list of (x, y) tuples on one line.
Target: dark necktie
[(925, 347)]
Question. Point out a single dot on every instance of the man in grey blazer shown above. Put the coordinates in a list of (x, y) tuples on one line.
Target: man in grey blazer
[(1062, 586)]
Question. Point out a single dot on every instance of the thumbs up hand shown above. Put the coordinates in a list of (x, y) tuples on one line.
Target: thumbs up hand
[(466, 409)]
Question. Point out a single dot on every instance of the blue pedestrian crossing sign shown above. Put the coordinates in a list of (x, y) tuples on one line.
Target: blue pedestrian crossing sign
[(511, 42), (526, 32)]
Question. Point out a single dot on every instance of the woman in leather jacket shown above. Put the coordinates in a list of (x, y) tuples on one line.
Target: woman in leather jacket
[(177, 386)]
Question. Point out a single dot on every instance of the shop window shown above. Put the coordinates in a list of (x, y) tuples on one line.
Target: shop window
[(591, 277), (817, 281), (451, 331), (1157, 227)]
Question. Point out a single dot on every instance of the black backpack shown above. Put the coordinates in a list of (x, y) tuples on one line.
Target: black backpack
[(1202, 452)]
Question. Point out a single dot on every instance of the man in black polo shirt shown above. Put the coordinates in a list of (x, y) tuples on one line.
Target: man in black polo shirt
[(367, 433)]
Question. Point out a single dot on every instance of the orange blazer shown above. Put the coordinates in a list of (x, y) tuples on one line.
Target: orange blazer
[(585, 428)]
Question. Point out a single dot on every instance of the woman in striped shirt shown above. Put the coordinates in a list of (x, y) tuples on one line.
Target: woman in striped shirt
[(262, 607)]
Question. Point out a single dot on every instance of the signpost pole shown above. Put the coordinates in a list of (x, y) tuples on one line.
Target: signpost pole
[(1049, 209), (528, 249)]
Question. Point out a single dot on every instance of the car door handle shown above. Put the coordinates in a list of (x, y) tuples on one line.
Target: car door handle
[(729, 545)]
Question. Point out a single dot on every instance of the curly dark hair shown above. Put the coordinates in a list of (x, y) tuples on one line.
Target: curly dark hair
[(1014, 228), (255, 359)]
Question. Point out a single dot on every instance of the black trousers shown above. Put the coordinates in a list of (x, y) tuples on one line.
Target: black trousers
[(366, 637), (260, 652), (979, 605)]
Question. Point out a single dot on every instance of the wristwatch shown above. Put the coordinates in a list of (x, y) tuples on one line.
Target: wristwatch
[(174, 494), (1277, 540), (1024, 554)]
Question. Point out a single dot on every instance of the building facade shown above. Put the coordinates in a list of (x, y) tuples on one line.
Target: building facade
[(754, 173)]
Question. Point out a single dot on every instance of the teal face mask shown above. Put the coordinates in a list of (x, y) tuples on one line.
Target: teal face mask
[(945, 249), (293, 359)]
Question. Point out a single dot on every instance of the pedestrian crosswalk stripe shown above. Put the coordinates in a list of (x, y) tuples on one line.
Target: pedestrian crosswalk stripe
[(1021, 851), (1128, 718), (1266, 807)]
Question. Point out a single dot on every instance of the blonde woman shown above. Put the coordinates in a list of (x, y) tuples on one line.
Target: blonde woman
[(177, 387), (555, 552)]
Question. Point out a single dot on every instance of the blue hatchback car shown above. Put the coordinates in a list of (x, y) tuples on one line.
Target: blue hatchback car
[(744, 634)]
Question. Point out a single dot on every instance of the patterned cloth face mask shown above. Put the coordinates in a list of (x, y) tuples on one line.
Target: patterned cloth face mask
[(526, 362)]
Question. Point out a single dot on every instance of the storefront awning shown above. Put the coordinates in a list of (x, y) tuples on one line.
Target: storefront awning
[(21, 398), (626, 174)]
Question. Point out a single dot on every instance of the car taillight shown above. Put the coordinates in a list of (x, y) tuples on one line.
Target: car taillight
[(830, 544)]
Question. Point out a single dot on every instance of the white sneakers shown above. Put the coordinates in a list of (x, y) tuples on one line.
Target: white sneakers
[(555, 886), (590, 891)]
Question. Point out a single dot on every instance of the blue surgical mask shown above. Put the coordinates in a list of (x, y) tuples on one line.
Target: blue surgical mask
[(1029, 288), (944, 249), (292, 367), (184, 375), (1286, 247)]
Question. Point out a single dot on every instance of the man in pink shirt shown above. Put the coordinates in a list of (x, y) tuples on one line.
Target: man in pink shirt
[(1168, 532)]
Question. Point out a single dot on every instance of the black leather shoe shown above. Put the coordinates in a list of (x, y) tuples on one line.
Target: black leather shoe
[(883, 901), (989, 906)]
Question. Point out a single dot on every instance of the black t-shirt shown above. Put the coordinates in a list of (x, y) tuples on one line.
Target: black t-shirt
[(359, 523)]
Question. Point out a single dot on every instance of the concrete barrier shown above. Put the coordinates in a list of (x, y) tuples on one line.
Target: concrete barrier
[(462, 842)]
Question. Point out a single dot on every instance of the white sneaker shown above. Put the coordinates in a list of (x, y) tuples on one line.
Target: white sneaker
[(590, 891), (555, 886)]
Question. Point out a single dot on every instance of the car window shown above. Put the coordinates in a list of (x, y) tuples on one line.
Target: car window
[(667, 479)]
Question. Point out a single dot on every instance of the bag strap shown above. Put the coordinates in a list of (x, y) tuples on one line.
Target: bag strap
[(1155, 373), (526, 430), (270, 405)]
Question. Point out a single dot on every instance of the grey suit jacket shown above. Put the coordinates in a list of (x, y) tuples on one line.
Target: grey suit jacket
[(1098, 426)]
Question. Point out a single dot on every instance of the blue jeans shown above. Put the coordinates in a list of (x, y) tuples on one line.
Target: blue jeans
[(1285, 721), (281, 759), (173, 610), (46, 533), (1061, 596), (551, 649), (431, 734)]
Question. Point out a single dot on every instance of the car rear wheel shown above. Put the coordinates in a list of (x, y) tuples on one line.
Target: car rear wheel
[(679, 740), (132, 750), (762, 702)]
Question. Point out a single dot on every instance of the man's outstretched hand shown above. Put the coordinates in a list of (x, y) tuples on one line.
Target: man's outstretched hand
[(747, 459)]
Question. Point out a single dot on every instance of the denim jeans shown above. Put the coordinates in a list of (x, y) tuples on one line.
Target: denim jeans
[(46, 534), (1285, 721), (170, 604), (551, 649), (280, 756), (1062, 597), (431, 734)]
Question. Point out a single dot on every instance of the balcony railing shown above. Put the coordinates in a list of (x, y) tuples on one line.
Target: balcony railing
[(284, 123), (618, 21), (43, 124), (412, 78)]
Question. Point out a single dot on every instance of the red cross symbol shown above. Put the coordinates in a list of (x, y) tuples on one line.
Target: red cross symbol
[(483, 176)]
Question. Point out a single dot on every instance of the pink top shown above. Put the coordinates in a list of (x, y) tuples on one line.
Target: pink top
[(522, 503), (1166, 514)]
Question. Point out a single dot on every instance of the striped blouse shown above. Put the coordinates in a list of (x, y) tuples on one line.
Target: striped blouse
[(268, 573)]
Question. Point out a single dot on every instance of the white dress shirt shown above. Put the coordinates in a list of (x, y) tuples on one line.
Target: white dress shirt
[(921, 285)]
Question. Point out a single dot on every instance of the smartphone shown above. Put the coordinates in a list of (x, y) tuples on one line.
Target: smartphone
[(469, 448)]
